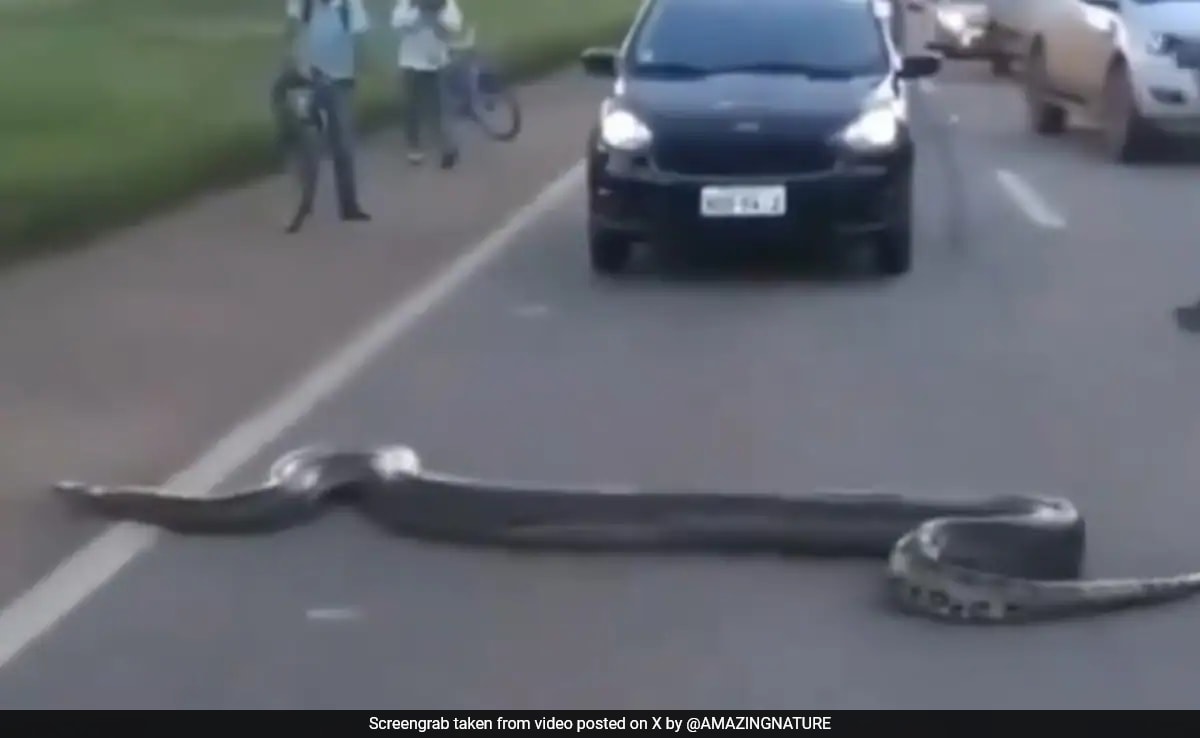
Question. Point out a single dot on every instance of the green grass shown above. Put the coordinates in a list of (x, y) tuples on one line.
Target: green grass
[(111, 110)]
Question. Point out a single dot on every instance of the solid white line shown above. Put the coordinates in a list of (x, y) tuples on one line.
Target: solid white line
[(37, 611), (1032, 204)]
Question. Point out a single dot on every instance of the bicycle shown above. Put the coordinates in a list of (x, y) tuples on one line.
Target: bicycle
[(300, 131), (476, 88)]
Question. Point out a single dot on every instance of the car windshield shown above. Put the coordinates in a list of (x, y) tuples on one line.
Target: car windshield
[(815, 37)]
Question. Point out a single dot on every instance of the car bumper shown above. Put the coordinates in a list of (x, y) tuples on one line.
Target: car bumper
[(854, 199), (1167, 95)]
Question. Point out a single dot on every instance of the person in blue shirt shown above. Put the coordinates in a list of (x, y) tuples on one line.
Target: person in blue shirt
[(324, 48)]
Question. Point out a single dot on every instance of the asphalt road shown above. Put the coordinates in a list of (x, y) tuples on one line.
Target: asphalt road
[(126, 359), (1030, 350)]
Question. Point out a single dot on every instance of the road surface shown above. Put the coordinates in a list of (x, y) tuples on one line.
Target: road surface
[(1030, 350), (126, 359)]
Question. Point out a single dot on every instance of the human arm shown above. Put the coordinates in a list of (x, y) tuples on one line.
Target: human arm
[(293, 18), (451, 20), (405, 16), (359, 22)]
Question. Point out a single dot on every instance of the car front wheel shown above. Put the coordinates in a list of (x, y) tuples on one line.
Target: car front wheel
[(1045, 118), (893, 247), (895, 252), (1127, 135), (609, 251)]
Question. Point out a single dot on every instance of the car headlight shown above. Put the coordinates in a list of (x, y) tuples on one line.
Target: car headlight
[(877, 128), (953, 19), (1159, 44), (621, 129)]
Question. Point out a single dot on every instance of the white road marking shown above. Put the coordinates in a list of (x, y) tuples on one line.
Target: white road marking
[(36, 611), (531, 311), (333, 614), (1032, 204), (927, 85)]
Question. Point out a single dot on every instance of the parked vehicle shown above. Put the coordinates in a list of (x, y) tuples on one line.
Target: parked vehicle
[(771, 118), (962, 29), (1011, 26), (1133, 66)]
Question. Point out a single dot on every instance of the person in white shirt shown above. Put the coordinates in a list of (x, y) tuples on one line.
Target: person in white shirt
[(426, 29)]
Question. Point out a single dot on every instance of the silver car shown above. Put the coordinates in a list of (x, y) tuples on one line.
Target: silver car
[(1133, 65), (961, 29)]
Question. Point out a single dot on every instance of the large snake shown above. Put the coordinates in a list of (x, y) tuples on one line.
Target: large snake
[(1002, 559)]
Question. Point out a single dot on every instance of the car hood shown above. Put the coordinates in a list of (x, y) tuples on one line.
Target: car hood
[(1182, 18), (723, 98)]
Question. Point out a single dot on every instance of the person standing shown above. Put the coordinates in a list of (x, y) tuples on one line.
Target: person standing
[(324, 47), (426, 29)]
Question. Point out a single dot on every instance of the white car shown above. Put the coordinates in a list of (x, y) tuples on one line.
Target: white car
[(962, 29), (1132, 65)]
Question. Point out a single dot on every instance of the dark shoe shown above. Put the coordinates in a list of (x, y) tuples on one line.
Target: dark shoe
[(449, 159), (355, 215), (1188, 318), (298, 220)]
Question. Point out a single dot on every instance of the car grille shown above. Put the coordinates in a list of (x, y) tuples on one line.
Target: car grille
[(762, 156), (1187, 52)]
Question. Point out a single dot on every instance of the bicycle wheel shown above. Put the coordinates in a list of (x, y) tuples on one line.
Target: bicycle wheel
[(493, 105)]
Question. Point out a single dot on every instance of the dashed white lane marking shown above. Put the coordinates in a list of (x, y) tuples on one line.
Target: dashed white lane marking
[(36, 611), (333, 614), (1032, 204), (531, 311)]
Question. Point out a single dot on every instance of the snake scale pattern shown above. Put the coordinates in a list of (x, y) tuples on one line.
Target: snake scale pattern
[(1003, 559)]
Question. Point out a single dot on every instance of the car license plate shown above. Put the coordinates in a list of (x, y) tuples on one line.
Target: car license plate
[(741, 202)]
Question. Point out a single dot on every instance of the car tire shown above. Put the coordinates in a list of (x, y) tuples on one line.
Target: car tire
[(609, 251), (893, 247), (1045, 118), (1127, 135), (894, 252)]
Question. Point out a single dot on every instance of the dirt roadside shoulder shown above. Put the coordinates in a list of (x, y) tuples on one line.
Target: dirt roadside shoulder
[(126, 360)]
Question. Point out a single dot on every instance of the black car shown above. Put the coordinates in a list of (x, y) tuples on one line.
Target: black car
[(733, 119)]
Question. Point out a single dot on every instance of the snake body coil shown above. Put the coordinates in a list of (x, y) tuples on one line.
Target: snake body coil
[(994, 560)]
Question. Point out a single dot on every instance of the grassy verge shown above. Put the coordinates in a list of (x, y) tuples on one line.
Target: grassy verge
[(111, 110)]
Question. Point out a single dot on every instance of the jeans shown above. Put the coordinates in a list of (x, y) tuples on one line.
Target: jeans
[(333, 103), (425, 104)]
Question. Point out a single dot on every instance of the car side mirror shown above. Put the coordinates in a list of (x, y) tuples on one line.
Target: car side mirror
[(914, 67), (599, 62)]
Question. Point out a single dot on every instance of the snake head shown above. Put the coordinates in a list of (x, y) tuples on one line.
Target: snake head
[(300, 470), (310, 468), (390, 462)]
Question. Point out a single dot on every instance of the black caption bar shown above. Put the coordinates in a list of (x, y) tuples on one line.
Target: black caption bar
[(575, 722), (588, 722)]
